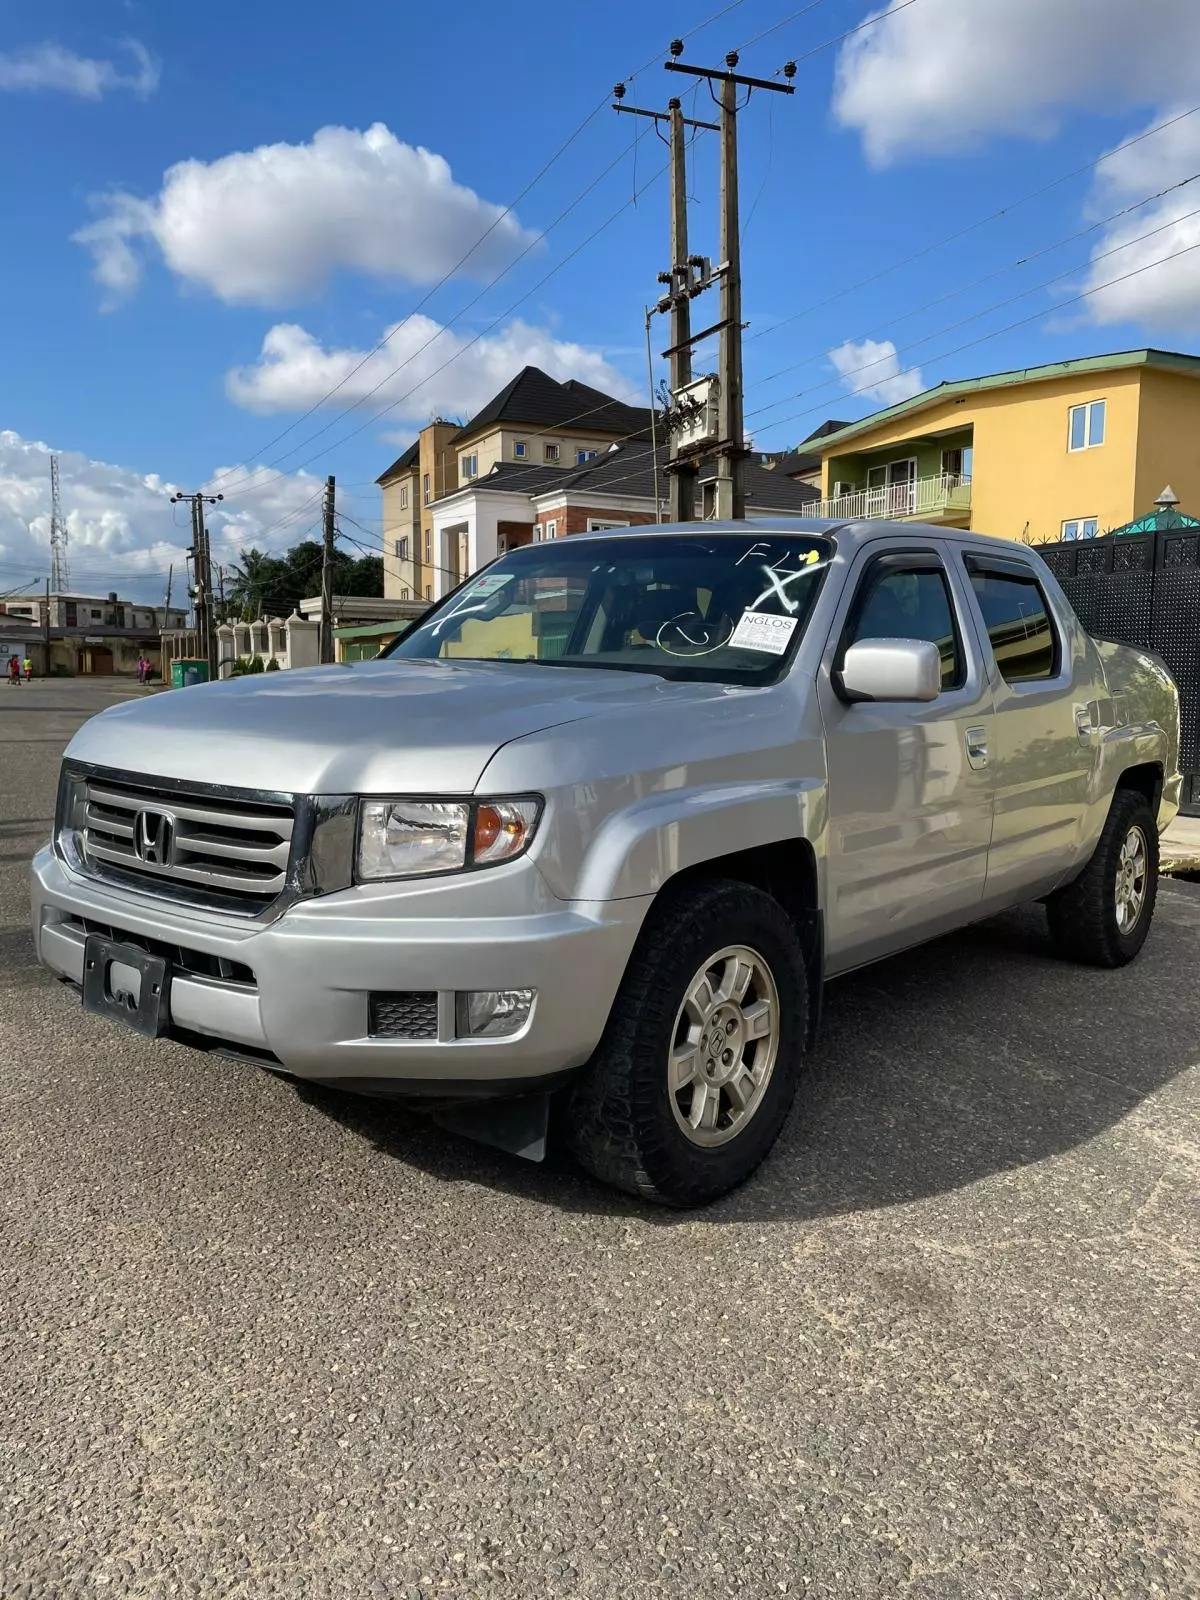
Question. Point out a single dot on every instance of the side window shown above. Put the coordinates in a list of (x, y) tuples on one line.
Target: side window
[(1018, 624), (908, 602)]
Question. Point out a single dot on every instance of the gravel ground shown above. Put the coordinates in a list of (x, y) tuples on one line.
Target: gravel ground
[(258, 1341)]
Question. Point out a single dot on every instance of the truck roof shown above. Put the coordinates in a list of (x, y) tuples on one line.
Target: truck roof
[(850, 534)]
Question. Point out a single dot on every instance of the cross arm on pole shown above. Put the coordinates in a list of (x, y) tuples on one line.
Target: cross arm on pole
[(716, 76), (663, 116)]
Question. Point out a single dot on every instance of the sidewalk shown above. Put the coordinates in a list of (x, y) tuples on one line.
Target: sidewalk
[(1179, 847)]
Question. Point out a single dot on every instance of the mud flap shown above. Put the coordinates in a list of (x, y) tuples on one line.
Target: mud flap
[(517, 1126)]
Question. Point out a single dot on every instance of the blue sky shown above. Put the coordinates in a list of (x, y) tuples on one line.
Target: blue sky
[(923, 123)]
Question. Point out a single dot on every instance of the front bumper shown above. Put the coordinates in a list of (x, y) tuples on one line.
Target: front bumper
[(303, 1003)]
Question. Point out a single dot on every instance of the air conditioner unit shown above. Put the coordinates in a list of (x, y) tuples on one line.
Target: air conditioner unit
[(695, 420)]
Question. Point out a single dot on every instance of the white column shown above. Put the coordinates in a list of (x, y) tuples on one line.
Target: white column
[(303, 642), (483, 533), (225, 649)]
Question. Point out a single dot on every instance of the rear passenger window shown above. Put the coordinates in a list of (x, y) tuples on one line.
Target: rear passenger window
[(1018, 624), (908, 603)]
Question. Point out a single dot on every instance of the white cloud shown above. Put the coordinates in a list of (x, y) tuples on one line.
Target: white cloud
[(1165, 296), (294, 371), (940, 76), (270, 226), (123, 532), (49, 66), (871, 367)]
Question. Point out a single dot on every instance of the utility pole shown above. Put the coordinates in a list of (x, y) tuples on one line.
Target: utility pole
[(681, 287), (221, 593), (728, 497), (167, 603), (326, 634), (46, 625), (202, 576)]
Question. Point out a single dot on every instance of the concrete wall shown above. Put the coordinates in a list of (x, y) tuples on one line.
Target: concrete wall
[(401, 521), (1168, 444)]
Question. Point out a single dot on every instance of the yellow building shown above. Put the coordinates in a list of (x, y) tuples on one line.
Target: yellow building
[(1067, 450)]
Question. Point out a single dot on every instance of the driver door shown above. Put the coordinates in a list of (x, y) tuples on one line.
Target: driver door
[(910, 790)]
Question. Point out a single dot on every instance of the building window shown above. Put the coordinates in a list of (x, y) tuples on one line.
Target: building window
[(429, 591), (520, 449), (585, 455), (552, 452), (958, 464), (96, 615), (468, 467), (1085, 425), (404, 497), (550, 530), (425, 488), (598, 524), (1079, 528), (401, 549), (428, 545)]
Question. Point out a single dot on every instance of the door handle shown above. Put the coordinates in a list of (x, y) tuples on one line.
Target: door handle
[(1083, 721), (977, 750)]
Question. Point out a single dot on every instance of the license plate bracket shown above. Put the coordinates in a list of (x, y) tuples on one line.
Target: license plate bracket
[(128, 984)]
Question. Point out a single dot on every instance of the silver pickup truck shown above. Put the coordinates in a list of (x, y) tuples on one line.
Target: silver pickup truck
[(600, 827)]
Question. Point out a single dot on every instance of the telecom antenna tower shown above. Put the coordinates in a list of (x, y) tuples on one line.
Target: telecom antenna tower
[(60, 572)]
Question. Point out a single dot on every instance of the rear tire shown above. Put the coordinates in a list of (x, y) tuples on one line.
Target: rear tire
[(1103, 918), (698, 1065)]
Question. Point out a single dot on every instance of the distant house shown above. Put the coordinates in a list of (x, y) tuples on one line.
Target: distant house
[(542, 460), (801, 464), (97, 634), (535, 422)]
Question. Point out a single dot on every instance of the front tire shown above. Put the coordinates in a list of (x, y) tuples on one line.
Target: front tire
[(698, 1065), (1103, 918)]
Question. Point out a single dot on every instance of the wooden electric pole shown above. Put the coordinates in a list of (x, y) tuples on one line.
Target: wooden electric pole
[(681, 287), (326, 634), (727, 498)]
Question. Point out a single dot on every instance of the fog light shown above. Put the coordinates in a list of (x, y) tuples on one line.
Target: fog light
[(493, 1013)]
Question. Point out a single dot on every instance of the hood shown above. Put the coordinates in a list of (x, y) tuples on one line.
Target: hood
[(400, 727)]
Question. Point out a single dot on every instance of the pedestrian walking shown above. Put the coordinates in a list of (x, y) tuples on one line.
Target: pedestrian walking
[(27, 668), (14, 669)]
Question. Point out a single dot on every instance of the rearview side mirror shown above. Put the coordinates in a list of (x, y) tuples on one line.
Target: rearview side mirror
[(890, 669)]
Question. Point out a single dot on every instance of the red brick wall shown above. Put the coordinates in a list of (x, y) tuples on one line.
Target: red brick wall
[(574, 519)]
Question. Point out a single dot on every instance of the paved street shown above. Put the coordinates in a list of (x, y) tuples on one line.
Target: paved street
[(261, 1342)]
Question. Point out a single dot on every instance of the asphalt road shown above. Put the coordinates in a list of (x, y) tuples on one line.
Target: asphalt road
[(258, 1342)]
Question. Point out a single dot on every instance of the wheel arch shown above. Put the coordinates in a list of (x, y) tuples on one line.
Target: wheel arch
[(1146, 779), (786, 870)]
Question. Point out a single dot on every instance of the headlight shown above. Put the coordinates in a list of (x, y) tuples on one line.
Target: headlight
[(419, 838)]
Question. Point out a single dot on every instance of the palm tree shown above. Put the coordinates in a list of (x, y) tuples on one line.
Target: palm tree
[(252, 582)]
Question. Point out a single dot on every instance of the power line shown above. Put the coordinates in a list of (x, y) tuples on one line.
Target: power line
[(997, 305), (462, 261), (971, 227), (445, 327), (1021, 322), (988, 277)]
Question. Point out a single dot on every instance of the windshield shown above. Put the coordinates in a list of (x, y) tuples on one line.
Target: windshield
[(723, 607)]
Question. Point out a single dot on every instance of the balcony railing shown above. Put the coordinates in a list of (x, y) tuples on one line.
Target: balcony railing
[(922, 497)]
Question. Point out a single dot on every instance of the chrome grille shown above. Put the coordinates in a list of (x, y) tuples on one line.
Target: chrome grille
[(188, 842)]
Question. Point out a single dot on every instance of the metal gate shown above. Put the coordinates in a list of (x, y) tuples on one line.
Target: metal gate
[(1144, 589)]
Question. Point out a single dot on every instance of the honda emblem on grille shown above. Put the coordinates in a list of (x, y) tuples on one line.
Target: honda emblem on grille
[(152, 838)]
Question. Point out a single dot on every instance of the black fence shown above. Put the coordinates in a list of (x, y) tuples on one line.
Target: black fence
[(1144, 589)]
